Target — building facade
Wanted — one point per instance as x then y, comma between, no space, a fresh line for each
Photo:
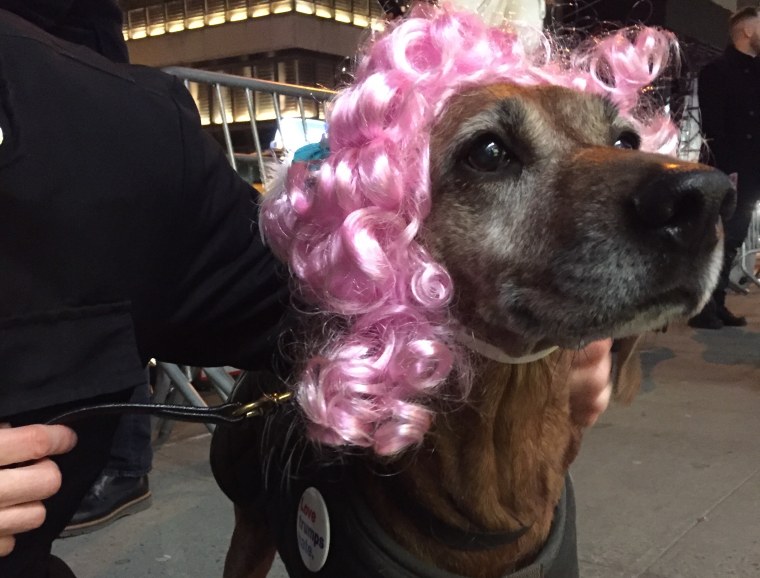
302,42
308,42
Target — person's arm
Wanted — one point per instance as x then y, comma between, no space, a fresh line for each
27,476
712,90
230,291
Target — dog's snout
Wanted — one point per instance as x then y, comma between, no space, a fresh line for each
683,206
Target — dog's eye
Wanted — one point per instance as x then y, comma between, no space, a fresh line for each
628,140
488,154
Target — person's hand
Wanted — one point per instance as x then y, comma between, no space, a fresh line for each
589,382
27,476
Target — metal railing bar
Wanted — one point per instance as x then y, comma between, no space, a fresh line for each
222,382
303,119
225,125
751,245
255,133
235,81
750,274
183,384
278,114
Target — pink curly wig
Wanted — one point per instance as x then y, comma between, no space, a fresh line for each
348,225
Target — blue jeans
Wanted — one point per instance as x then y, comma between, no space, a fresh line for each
131,451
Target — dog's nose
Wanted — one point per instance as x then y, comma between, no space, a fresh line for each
683,206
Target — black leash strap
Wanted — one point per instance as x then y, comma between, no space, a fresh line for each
226,413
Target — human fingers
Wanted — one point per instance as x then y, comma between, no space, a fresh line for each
32,442
589,382
587,413
594,353
7,543
21,518
36,481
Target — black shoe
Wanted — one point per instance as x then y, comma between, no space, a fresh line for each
109,498
729,319
706,319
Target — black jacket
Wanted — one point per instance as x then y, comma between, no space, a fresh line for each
729,100
124,233
92,23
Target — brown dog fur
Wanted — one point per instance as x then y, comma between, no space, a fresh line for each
552,248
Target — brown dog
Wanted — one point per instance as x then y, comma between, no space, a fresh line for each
550,223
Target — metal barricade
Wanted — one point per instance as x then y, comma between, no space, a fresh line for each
236,102
177,384
240,100
749,250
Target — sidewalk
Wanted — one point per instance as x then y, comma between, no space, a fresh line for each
666,488
670,487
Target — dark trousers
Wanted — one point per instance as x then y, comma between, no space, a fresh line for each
79,469
131,451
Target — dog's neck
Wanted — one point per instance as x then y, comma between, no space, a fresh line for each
495,465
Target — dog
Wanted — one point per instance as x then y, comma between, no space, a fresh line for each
555,230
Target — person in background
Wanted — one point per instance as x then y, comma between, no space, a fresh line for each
729,101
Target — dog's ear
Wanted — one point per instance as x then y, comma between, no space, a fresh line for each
626,371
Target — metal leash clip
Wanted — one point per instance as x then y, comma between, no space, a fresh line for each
262,405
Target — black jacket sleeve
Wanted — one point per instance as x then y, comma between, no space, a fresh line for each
230,292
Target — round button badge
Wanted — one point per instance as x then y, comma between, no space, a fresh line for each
313,529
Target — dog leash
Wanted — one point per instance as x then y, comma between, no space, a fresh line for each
226,413
236,412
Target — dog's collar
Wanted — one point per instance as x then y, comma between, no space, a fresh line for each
470,540
468,339
380,554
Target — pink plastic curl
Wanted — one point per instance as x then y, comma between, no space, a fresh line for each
348,226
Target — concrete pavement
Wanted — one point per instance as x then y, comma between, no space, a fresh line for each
666,488
670,487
